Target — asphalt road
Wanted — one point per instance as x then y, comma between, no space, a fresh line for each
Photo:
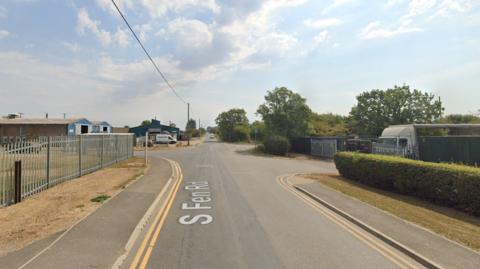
249,220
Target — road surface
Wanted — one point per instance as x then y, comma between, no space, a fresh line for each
230,212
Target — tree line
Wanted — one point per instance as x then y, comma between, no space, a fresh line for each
286,117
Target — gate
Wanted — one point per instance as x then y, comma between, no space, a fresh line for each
324,148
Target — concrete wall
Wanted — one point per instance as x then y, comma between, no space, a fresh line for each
33,130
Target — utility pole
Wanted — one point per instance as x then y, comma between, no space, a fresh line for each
199,124
186,127
146,149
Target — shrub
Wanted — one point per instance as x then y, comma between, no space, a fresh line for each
451,185
277,145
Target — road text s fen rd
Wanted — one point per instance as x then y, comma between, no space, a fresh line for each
200,198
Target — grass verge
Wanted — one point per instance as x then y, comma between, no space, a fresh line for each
455,225
58,208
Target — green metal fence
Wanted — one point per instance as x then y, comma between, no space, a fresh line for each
48,161
456,149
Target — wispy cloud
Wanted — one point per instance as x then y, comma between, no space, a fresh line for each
4,34
322,23
84,22
375,30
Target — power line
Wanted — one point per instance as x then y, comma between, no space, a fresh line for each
148,55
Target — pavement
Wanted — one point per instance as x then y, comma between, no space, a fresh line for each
98,240
226,208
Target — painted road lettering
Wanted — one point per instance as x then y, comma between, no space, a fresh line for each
199,197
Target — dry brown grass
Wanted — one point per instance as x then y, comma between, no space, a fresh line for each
58,208
453,224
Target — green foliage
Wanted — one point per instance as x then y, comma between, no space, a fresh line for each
459,118
277,145
212,130
191,125
285,113
328,125
100,199
451,185
258,130
233,125
377,109
146,122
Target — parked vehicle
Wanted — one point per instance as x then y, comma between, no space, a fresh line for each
165,139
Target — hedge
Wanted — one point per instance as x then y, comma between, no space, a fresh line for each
450,185
277,145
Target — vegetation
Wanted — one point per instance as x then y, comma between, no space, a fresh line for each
233,125
377,109
146,123
276,144
459,118
450,185
328,125
453,224
285,113
100,199
258,130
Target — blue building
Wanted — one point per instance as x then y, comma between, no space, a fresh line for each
102,127
155,127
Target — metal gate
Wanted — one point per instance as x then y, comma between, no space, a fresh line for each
324,148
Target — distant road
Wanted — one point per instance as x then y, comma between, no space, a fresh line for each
249,220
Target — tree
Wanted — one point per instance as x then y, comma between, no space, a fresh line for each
459,118
233,125
191,125
328,125
257,130
172,125
285,113
146,122
377,109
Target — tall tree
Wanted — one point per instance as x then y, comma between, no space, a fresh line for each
285,113
233,125
191,125
377,109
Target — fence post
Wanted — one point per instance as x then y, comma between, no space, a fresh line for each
146,148
80,153
48,162
101,156
18,182
116,148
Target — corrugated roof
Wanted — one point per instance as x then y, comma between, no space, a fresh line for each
97,122
40,121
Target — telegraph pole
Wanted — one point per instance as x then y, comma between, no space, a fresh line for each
186,127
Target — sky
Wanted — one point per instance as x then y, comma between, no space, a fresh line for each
78,57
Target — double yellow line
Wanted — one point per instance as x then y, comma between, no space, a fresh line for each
383,249
145,250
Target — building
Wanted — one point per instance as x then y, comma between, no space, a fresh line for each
155,127
101,127
120,130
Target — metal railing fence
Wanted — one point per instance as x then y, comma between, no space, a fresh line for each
383,149
48,161
324,148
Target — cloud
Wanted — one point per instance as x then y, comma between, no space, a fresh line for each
74,47
122,37
3,12
393,3
322,23
322,37
189,33
159,8
84,22
335,4
4,34
374,30
123,5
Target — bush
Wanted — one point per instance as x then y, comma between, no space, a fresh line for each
451,185
277,145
